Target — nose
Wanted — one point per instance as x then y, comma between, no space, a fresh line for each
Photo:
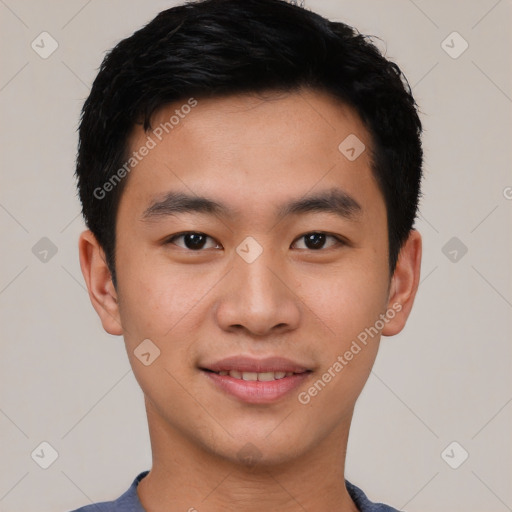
258,298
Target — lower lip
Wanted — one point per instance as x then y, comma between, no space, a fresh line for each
255,391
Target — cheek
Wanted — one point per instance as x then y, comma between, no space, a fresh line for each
349,309
346,300
152,300
166,305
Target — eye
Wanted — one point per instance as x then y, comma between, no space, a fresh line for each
193,241
317,240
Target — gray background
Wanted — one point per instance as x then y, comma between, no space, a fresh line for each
446,377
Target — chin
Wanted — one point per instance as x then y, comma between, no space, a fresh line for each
259,451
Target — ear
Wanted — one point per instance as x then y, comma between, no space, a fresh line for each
404,284
99,283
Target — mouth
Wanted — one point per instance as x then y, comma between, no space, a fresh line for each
256,381
255,376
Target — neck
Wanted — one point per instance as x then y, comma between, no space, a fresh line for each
187,477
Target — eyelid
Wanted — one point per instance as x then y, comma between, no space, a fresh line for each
340,241
170,239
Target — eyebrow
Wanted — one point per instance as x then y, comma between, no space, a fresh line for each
334,200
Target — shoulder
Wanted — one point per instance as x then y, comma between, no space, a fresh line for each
363,503
127,502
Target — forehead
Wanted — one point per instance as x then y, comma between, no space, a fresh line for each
304,120
253,148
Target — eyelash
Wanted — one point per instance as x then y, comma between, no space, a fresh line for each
339,241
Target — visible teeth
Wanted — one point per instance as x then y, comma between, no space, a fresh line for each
266,376
254,376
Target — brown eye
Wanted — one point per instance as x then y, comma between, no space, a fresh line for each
317,240
192,241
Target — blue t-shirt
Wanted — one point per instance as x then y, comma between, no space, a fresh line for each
129,501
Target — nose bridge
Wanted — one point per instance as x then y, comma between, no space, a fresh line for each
253,262
260,281
256,298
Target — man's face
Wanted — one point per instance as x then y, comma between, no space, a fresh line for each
257,280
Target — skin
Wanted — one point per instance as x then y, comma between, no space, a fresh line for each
309,305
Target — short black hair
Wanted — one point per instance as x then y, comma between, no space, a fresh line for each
215,48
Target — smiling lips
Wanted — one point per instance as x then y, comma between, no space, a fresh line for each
256,380
259,376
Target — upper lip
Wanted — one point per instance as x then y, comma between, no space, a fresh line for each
251,364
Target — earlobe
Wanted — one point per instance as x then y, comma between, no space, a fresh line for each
99,282
404,284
